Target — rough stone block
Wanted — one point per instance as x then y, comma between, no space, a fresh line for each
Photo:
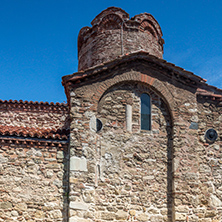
193,125
78,164
180,217
3,159
60,155
5,205
107,216
121,215
215,202
78,206
142,217
77,219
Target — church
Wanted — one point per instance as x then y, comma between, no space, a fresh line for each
140,139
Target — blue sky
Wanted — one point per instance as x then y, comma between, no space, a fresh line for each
38,40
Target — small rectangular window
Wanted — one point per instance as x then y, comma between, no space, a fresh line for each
145,112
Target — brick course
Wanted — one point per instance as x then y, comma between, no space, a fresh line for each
113,34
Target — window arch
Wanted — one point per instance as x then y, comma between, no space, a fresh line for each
145,112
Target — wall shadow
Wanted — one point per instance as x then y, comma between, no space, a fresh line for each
65,185
170,197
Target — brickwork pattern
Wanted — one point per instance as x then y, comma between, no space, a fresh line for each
113,34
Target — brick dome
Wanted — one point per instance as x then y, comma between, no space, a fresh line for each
113,33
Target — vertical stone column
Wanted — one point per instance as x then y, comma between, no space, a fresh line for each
129,118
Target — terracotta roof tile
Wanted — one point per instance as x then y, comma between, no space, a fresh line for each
43,133
142,55
34,106
134,55
33,102
212,95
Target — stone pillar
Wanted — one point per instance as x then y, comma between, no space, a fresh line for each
82,172
129,118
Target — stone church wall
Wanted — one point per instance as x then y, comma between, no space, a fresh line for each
33,182
33,161
210,160
128,175
168,174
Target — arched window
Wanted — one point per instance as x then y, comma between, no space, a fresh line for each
145,112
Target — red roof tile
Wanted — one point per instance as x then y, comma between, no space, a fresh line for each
34,106
33,103
43,133
127,57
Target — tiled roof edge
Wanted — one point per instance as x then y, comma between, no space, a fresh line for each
40,133
137,55
35,142
34,103
122,58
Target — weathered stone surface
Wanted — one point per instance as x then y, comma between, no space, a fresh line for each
31,189
60,155
132,212
215,201
55,214
121,215
5,205
115,37
180,216
142,217
21,207
3,159
77,219
194,126
107,216
78,164
156,218
78,206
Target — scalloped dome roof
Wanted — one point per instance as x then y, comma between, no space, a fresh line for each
113,33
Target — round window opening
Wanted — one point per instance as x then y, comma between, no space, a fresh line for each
211,135
95,124
99,125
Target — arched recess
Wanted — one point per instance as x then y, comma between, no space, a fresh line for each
151,82
110,21
149,27
150,153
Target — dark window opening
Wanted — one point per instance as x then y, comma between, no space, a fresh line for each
99,125
145,112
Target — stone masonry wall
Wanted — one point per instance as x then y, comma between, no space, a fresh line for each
123,176
33,115
33,181
120,170
210,167
197,167
186,160
135,167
